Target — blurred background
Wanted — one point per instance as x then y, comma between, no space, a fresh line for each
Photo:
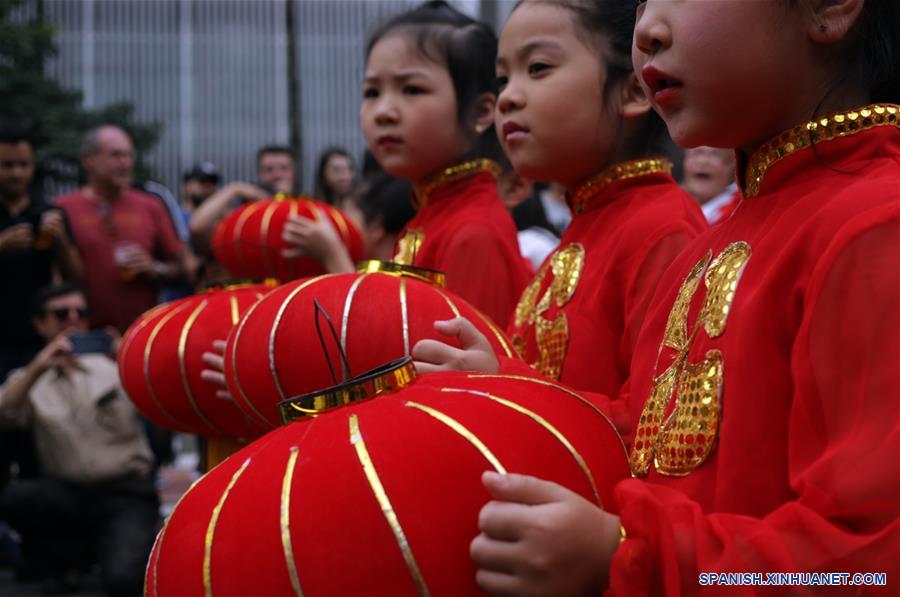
193,80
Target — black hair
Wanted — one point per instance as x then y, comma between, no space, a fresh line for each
370,166
47,293
323,191
386,199
608,27
13,134
468,48
877,50
274,149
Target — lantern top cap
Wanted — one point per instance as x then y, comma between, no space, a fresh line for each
387,378
405,271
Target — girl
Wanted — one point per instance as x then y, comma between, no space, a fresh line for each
764,382
571,110
427,115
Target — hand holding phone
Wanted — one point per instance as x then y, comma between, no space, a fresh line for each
94,341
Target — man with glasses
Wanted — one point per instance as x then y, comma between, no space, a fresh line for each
126,236
96,500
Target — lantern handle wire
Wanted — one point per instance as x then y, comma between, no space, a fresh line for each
345,364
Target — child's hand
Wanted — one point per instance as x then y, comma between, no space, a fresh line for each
318,239
476,353
216,373
538,538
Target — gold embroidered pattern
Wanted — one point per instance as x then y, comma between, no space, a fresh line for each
721,282
676,335
408,246
690,432
551,335
688,435
829,127
387,509
452,174
593,186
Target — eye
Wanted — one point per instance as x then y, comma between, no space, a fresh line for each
370,92
413,90
639,2
537,67
500,82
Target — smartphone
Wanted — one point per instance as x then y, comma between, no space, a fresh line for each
94,341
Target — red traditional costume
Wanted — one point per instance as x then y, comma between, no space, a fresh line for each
463,230
764,389
578,321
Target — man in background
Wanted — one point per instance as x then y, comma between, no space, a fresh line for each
126,235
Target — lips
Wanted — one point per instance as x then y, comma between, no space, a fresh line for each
664,87
513,131
388,141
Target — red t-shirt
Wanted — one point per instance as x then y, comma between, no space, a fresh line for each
764,386
465,231
97,227
578,321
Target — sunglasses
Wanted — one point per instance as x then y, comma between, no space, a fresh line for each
63,313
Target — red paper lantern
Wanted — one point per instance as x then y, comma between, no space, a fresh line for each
275,351
382,497
248,241
160,362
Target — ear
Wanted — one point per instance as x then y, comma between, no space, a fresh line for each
484,112
832,19
635,101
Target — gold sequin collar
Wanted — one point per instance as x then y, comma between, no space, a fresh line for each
452,174
840,124
589,189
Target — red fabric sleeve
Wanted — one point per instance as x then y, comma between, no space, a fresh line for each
481,270
842,446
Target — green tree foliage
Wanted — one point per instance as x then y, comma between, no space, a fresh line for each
54,116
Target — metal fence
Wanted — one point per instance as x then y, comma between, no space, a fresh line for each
215,72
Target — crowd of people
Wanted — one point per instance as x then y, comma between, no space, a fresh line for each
532,170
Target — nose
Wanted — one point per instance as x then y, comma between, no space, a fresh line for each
651,33
509,99
386,111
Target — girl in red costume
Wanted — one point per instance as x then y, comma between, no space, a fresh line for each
764,382
571,110
427,115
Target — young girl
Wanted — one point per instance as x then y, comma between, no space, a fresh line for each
764,382
571,110
427,115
